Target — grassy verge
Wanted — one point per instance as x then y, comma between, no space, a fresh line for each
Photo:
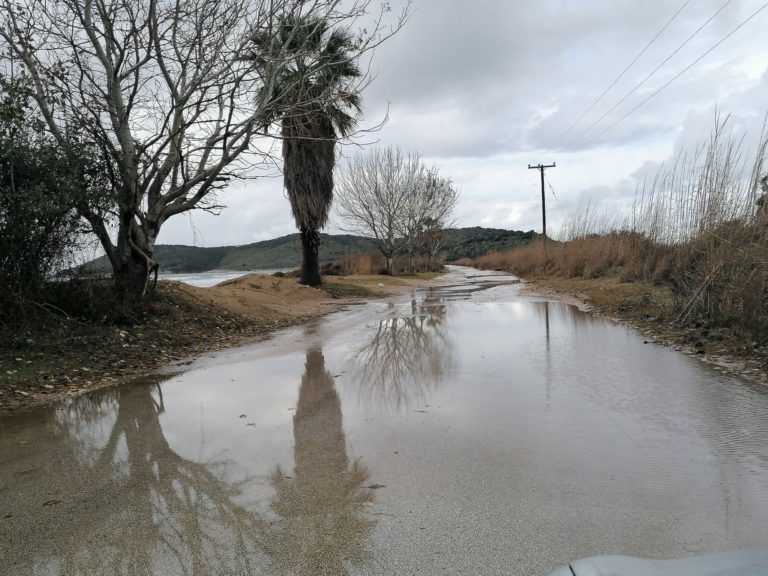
363,284
345,290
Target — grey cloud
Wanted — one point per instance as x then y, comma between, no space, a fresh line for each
502,62
254,211
484,87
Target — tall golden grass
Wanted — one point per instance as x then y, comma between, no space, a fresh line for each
373,263
700,224
363,263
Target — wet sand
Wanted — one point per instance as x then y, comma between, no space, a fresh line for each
462,429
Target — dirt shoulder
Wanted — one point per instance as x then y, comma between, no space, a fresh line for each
652,310
60,356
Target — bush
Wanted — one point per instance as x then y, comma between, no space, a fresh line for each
363,263
372,263
39,227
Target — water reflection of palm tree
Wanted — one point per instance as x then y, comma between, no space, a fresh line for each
406,356
321,525
154,510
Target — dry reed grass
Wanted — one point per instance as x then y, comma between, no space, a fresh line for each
699,225
374,263
363,263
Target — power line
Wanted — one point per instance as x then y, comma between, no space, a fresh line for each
549,183
620,76
648,77
683,71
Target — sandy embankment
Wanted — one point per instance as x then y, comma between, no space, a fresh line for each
271,299
180,321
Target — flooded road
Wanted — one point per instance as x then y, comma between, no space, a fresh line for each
466,429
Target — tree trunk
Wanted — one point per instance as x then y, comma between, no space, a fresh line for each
132,260
131,277
310,261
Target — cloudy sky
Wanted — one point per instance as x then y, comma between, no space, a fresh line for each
481,89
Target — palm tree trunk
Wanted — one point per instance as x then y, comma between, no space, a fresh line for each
310,261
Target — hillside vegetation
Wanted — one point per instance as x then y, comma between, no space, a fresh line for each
476,241
285,252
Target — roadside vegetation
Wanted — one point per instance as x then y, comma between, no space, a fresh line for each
375,263
39,228
692,253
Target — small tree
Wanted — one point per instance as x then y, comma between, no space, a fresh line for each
391,198
428,215
431,238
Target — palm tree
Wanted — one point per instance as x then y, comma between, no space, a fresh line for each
316,101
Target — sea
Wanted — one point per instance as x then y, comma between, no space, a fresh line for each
213,277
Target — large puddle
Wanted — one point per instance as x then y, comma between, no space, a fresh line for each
464,430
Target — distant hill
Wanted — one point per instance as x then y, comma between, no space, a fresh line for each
285,252
179,258
474,242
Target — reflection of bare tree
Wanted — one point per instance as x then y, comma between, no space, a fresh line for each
153,510
201,524
321,525
407,355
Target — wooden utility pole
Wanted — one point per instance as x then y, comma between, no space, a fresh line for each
541,168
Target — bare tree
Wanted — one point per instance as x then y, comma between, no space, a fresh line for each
164,91
389,197
407,357
429,214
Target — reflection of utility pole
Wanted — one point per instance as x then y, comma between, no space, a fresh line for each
548,359
541,168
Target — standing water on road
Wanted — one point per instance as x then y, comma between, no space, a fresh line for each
464,429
